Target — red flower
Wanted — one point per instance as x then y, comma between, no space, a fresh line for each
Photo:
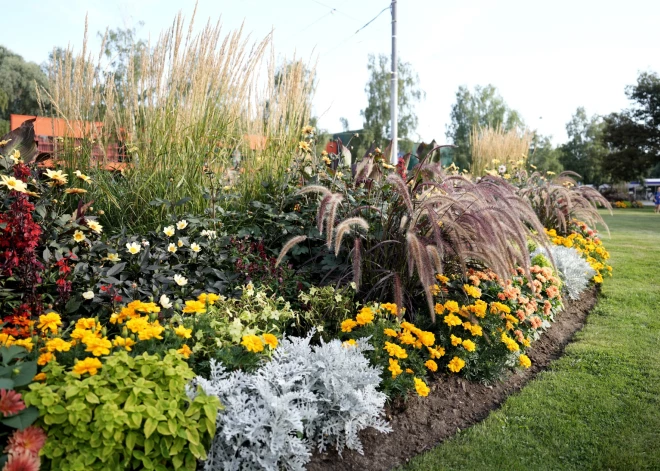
31,439
22,461
11,402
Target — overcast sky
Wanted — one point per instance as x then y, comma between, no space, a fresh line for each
545,57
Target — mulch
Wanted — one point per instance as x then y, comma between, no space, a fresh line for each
453,404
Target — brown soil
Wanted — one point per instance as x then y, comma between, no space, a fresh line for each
453,404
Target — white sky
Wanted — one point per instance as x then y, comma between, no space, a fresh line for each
545,57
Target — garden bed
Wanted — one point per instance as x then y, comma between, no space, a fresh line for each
454,403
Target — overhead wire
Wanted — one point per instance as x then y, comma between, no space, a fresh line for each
355,34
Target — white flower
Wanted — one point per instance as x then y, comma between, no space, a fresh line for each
182,224
133,247
209,234
179,243
169,231
165,301
94,226
113,257
171,248
195,247
88,294
501,169
180,280
145,243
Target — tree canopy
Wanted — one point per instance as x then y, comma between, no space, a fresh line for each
482,107
585,151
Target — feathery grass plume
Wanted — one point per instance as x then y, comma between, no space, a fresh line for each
332,215
435,257
345,226
314,189
402,190
320,214
363,169
357,262
507,147
288,246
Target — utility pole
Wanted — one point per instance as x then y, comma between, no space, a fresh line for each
393,92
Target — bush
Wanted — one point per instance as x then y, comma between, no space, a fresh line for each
130,413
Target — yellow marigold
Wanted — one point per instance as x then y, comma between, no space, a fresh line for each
479,308
395,350
57,344
365,316
452,306
427,338
408,370
25,343
210,298
390,307
88,365
598,278
349,343
497,307
45,358
451,320
6,339
441,278
97,346
472,291
509,342
524,361
252,343
152,331
434,289
421,388
194,307
456,364
182,332
431,365
476,330
50,321
406,338
123,342
390,332
138,324
469,345
439,308
395,368
185,351
82,334
86,323
436,352
526,342
455,341
39,377
270,340
348,325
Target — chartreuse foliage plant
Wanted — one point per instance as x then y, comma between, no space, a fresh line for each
128,413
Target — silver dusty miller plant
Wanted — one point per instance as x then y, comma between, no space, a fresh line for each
574,271
326,393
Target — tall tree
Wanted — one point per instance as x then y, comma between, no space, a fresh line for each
633,135
585,150
377,113
483,107
18,87
544,156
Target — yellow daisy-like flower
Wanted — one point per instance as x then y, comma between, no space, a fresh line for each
304,146
524,361
439,308
349,343
195,247
95,226
78,236
113,257
182,224
82,176
348,325
252,343
390,332
435,290
179,243
452,306
97,346
365,316
270,340
442,279
395,350
194,307
39,377
86,323
390,307
210,298
472,291
171,248
421,388
469,345
436,352
395,368
452,320
427,338
25,343
50,321
169,231
57,176
431,365
14,184
45,358
182,332
456,341
308,130
133,248
88,365
185,351
455,365
123,342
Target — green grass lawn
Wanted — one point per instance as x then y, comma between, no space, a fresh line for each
597,407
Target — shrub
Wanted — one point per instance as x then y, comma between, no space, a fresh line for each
130,413
573,269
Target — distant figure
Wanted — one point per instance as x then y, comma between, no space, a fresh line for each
657,200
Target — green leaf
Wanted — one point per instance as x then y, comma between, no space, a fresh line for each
192,436
26,371
6,383
149,427
116,269
72,305
92,398
131,438
23,140
23,419
163,429
12,353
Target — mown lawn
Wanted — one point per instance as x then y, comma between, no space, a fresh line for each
598,407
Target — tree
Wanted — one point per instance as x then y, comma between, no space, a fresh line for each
483,107
377,127
18,87
585,150
544,156
633,135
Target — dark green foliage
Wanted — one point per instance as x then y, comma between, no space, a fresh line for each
585,151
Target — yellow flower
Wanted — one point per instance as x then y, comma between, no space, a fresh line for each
406,338
439,308
304,146
451,320
152,331
390,307
452,306
86,323
348,325
479,308
196,307
171,248
408,370
182,224
123,342
431,365
88,365
113,257
455,341
349,343
252,343
133,248
510,343
45,358
456,365
39,377
436,352
14,184
50,321
395,350
78,236
270,340
434,289
421,388
169,231
97,346
25,343
441,278
57,344
497,307
427,338
82,176
95,226
185,351
598,278
469,345
179,243
365,316
195,247
182,332
524,361
395,368
308,130
472,291
6,339
210,298
390,332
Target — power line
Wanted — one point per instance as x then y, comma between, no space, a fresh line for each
338,11
312,24
355,34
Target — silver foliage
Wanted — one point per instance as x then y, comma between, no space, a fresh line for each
574,271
